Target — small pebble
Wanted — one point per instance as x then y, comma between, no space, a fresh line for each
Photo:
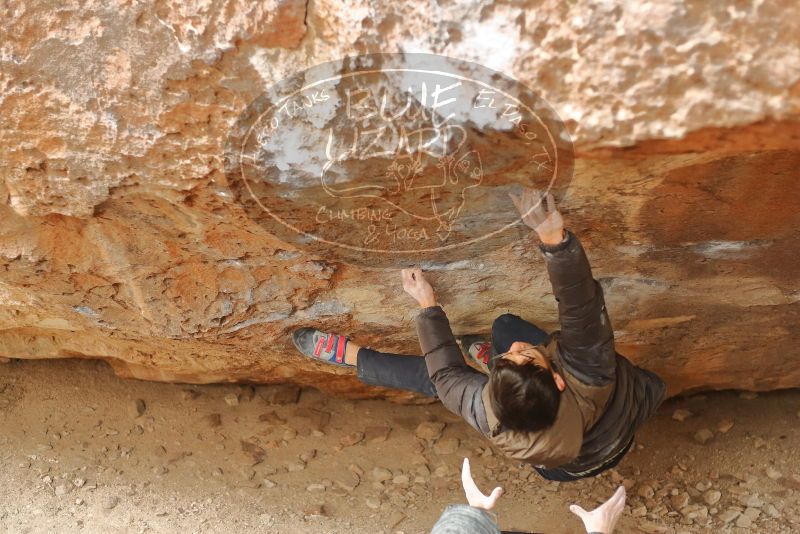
351,439
308,455
681,415
189,394
281,394
645,491
429,430
751,501
748,516
772,512
355,468
272,418
160,470
400,480
247,393
110,503
652,528
712,497
381,474
446,446
679,501
136,408
315,510
395,519
729,515
748,395
702,486
725,425
348,481
254,452
377,434
441,471
694,511
703,436
232,399
213,420
773,473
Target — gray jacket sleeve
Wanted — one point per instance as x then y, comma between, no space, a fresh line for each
465,518
458,385
586,340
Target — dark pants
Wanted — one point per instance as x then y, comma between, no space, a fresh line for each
400,371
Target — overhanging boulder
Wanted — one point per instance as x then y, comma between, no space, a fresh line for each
118,239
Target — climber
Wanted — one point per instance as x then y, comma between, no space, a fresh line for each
566,403
477,517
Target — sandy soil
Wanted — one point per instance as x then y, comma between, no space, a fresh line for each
79,454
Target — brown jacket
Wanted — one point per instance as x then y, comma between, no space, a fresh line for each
606,399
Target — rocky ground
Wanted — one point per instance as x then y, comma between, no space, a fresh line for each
84,451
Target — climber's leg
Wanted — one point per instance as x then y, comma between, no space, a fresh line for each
375,368
397,371
509,328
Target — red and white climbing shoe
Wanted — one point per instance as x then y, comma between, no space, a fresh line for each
479,350
321,346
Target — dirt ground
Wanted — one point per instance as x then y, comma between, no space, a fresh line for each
84,451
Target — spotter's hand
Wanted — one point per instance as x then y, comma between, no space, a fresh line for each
475,497
603,518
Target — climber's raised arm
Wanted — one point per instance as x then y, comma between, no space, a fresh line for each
586,339
458,385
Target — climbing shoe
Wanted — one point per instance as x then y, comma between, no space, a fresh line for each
325,347
479,350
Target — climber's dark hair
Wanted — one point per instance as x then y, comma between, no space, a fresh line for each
523,397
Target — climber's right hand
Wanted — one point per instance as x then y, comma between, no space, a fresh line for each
539,212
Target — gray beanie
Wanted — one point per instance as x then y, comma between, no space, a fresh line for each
465,519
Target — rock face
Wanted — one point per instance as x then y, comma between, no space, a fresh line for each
118,239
